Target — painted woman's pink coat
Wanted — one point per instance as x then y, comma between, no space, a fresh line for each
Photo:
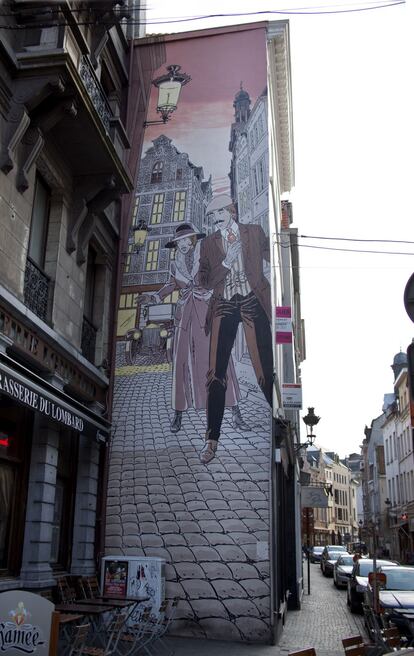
191,345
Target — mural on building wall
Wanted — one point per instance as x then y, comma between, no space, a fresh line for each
191,449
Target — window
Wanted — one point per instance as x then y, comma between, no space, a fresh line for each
179,206
157,208
153,252
15,449
62,523
127,314
135,210
89,331
179,175
39,223
156,175
36,282
259,174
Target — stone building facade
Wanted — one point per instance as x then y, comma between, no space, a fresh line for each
64,168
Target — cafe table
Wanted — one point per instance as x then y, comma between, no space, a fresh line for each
115,599
94,613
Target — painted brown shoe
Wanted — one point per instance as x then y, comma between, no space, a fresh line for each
208,452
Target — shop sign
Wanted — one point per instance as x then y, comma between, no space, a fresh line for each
25,623
283,324
35,400
292,396
314,497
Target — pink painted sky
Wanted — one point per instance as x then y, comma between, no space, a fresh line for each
201,124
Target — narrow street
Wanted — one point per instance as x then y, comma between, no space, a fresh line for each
323,620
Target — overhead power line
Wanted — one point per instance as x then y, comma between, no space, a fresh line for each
161,21
346,250
379,241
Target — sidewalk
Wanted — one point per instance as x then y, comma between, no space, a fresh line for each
321,623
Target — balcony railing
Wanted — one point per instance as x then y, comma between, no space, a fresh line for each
36,289
95,92
88,341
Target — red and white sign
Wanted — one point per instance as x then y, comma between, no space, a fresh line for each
292,396
283,324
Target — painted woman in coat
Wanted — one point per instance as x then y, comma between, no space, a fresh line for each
191,345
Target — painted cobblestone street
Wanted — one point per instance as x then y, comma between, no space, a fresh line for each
321,623
209,523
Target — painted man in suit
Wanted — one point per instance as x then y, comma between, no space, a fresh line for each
231,265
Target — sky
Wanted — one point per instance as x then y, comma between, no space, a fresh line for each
353,121
201,124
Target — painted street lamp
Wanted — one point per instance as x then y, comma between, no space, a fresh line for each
169,88
140,231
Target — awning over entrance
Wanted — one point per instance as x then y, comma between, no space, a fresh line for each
32,391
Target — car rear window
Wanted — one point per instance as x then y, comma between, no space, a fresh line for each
346,560
367,566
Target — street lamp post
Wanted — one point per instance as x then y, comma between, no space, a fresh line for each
310,420
169,88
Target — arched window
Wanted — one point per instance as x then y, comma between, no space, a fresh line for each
156,175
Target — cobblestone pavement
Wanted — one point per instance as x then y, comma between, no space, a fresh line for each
322,622
211,524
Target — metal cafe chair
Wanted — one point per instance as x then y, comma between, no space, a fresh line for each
354,646
162,629
79,639
110,638
91,587
134,638
392,637
66,593
155,629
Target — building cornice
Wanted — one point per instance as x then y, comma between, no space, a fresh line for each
280,97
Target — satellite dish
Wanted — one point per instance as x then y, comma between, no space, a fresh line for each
409,297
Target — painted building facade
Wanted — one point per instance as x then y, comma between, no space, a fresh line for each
192,476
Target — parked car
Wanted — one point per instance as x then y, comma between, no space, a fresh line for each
342,570
315,554
358,581
328,550
396,599
328,564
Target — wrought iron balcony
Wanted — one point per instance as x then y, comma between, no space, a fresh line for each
36,289
88,341
95,92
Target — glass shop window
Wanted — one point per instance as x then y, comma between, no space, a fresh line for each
62,525
15,446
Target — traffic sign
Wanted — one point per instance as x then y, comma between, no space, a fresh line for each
409,297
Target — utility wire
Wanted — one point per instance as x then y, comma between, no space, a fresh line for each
345,250
380,241
162,21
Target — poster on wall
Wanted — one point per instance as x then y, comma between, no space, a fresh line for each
115,578
190,454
